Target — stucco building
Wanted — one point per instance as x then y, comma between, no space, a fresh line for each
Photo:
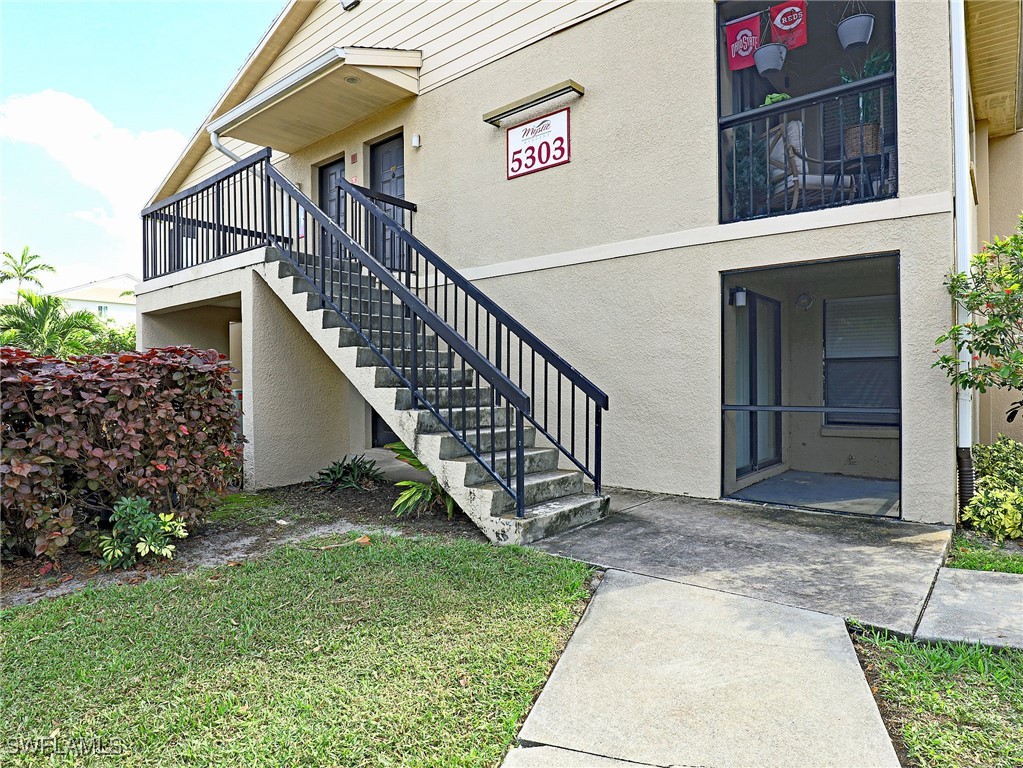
688,247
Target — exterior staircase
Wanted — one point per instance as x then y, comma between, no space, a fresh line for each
555,499
509,428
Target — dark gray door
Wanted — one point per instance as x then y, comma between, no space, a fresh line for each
387,175
331,202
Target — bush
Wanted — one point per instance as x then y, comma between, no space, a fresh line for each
138,532
78,435
357,473
997,505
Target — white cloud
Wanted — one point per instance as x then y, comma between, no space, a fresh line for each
122,166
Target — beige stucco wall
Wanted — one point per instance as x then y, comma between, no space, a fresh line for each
205,327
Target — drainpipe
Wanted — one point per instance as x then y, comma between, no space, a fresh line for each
964,236
215,141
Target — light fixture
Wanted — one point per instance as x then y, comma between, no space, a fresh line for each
417,141
737,297
804,301
349,4
352,80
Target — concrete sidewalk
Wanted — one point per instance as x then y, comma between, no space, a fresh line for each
975,607
665,674
874,571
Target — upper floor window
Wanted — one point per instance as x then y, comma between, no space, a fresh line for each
806,96
103,311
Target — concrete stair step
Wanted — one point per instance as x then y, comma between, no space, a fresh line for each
499,439
535,460
402,358
556,515
441,377
538,487
463,418
484,394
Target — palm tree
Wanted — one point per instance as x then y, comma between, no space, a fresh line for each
44,326
25,269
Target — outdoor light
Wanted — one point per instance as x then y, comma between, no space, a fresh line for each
737,297
349,4
417,141
352,80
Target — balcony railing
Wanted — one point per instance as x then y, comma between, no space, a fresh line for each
834,147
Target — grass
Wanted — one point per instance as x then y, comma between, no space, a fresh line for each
248,508
978,556
411,652
954,705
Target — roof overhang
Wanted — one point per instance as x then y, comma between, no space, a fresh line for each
994,38
334,90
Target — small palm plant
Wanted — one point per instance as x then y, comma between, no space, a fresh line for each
24,269
418,497
44,326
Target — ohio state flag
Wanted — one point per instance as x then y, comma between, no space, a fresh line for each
788,23
742,36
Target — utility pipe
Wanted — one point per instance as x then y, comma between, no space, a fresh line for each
215,141
964,234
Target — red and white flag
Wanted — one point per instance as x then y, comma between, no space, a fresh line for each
788,23
742,36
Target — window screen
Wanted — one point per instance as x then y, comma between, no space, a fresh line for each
861,358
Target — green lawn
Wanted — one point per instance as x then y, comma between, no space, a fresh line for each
979,556
410,652
956,705
248,508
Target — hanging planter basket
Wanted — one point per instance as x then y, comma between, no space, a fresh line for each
770,57
855,31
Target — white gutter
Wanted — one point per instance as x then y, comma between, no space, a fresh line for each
964,236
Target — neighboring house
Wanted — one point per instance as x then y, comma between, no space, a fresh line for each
110,299
617,251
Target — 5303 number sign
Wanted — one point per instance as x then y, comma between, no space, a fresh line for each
539,144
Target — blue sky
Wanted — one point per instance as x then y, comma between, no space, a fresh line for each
96,101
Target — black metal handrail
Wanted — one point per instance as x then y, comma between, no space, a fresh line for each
219,217
388,288
821,150
558,391
336,265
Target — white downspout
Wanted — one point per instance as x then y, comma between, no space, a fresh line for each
215,141
964,236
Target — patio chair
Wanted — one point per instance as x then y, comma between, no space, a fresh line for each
794,171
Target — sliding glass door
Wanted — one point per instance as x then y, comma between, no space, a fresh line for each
757,382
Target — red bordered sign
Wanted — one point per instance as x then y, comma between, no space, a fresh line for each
540,144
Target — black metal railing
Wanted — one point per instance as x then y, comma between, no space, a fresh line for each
222,216
567,406
834,147
462,357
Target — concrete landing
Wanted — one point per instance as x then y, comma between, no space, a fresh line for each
834,493
975,607
666,674
875,571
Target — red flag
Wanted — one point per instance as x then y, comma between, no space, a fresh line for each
788,23
742,36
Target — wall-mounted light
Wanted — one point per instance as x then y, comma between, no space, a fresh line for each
737,297
417,141
349,4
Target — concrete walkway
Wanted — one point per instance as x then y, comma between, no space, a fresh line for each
878,572
666,674
975,607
